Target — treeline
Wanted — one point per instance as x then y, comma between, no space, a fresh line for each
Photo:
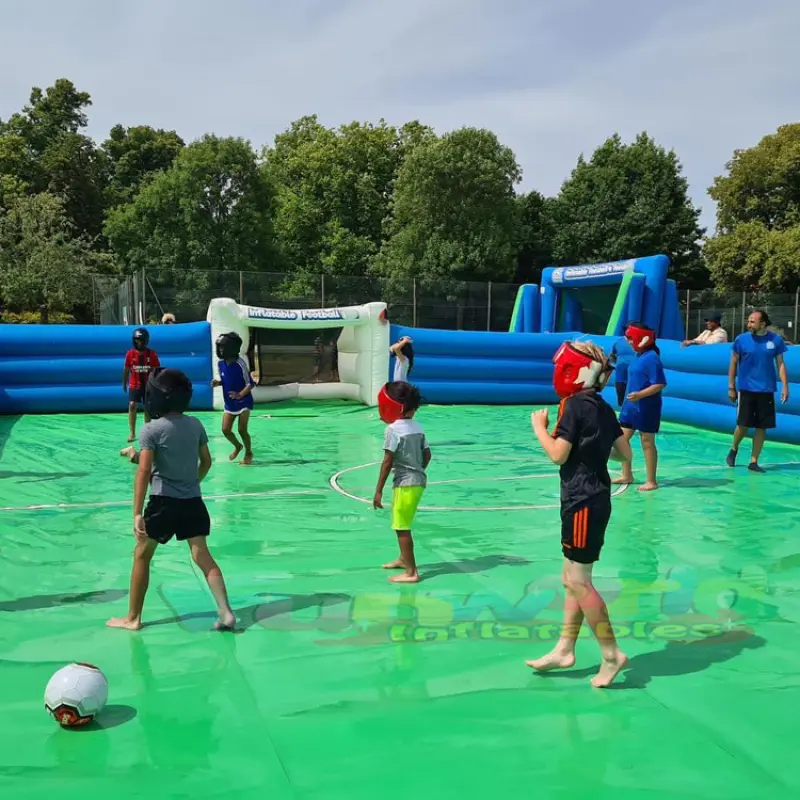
363,199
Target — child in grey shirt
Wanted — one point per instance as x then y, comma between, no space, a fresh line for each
174,458
406,452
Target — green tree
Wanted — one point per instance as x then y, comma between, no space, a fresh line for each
134,155
210,211
42,149
535,236
333,189
44,266
629,201
454,214
757,241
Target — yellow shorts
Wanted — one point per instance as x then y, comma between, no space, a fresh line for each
405,500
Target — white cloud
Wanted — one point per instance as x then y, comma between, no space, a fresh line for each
552,78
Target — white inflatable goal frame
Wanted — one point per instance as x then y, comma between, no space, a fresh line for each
363,347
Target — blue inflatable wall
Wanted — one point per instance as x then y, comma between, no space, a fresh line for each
458,367
51,369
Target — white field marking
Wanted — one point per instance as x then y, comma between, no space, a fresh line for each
119,503
334,482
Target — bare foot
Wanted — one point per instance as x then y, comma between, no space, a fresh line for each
129,623
405,578
609,670
235,454
248,459
395,564
226,622
622,481
553,660
649,486
132,437
127,452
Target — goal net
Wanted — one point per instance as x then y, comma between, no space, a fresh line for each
326,353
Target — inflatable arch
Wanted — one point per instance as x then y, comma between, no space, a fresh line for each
643,293
363,347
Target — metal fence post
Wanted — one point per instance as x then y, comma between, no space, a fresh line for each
744,303
143,320
414,302
322,290
241,288
688,310
489,308
796,304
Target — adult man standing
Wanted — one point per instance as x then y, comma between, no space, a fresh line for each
713,334
756,354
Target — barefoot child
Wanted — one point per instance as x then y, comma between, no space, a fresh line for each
406,452
237,386
403,352
641,410
586,435
140,360
173,460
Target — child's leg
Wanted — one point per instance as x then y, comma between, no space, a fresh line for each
227,432
244,418
627,467
563,654
131,453
140,579
650,461
406,560
132,410
213,574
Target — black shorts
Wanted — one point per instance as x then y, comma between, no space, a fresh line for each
756,410
136,396
165,517
583,529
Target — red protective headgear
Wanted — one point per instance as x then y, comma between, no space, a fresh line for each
574,371
640,337
389,410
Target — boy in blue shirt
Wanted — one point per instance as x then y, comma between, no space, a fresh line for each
755,355
642,408
237,387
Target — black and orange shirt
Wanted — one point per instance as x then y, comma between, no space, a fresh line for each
590,425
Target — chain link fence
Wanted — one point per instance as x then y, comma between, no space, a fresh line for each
454,305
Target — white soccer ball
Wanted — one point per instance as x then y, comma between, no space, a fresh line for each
76,694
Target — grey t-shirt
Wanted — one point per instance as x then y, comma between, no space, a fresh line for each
175,440
406,439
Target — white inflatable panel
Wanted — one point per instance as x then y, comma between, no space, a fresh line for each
363,347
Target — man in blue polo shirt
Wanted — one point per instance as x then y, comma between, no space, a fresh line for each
756,354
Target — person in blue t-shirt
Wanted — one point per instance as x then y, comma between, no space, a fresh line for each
755,356
641,410
237,387
621,356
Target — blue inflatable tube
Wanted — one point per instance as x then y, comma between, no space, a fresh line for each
52,369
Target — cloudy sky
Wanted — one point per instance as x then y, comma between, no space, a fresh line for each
553,78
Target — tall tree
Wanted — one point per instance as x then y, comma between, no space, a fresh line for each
333,190
134,155
44,266
454,211
535,236
629,200
43,149
757,241
211,210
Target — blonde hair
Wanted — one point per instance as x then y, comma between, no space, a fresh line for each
596,354
167,318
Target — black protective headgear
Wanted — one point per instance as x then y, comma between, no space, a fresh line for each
141,338
229,345
168,391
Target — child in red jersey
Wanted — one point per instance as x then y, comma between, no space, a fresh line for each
140,361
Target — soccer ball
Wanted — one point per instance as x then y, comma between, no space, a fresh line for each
76,694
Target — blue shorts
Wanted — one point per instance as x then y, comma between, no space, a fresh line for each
644,420
236,407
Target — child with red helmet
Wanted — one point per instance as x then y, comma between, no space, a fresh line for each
641,410
406,452
586,435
